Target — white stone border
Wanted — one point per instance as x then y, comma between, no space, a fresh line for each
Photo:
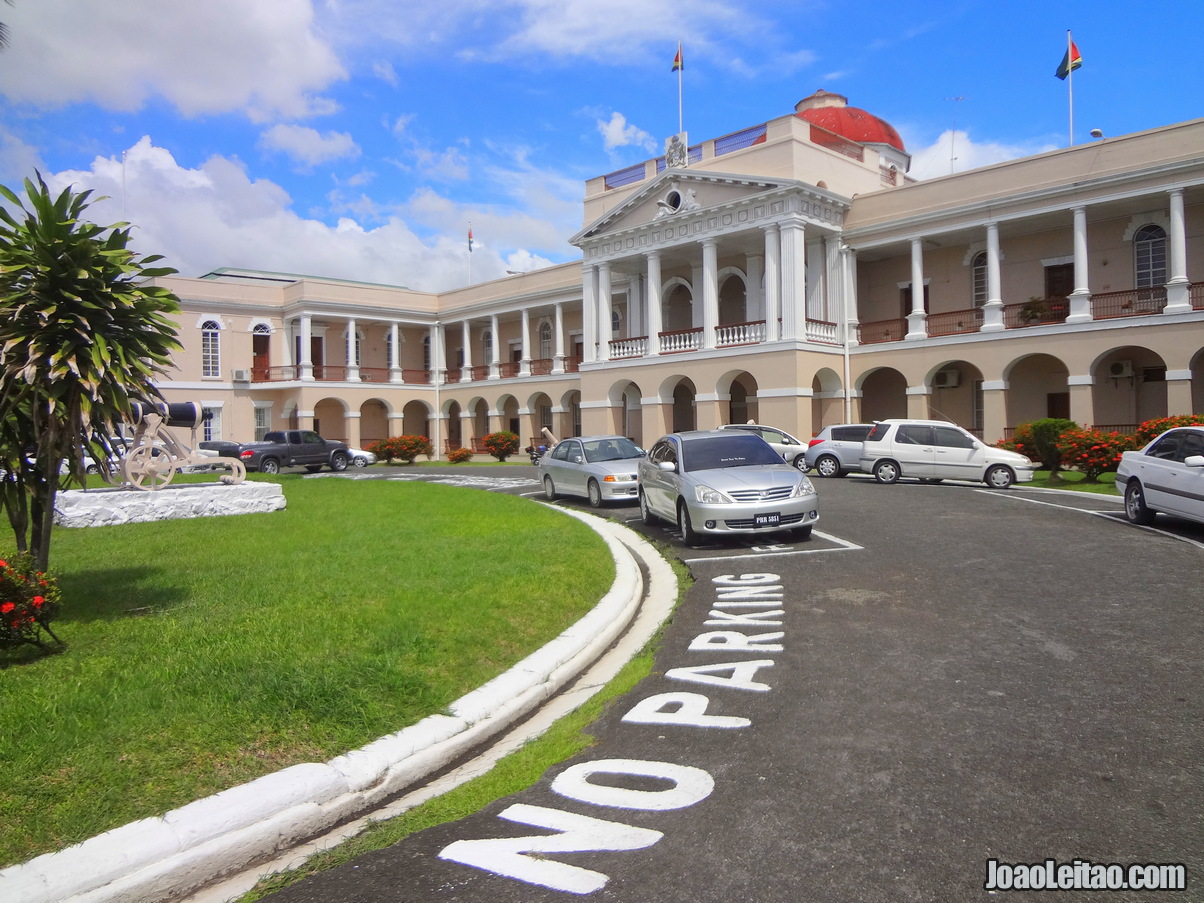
167,857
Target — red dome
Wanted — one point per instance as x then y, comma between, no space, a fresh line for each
829,111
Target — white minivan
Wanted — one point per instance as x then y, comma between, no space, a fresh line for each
934,450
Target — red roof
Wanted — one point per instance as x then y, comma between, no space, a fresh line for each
855,124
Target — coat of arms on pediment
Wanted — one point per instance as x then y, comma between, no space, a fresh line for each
676,201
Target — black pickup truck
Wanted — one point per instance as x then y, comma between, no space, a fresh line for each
285,448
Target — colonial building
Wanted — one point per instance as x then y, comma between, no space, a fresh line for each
790,273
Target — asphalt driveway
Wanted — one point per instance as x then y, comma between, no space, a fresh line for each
942,676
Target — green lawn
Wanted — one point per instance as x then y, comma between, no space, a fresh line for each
1073,481
205,653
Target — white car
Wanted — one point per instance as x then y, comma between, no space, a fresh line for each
934,450
599,468
1167,475
359,458
791,449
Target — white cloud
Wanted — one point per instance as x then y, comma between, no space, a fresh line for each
618,132
307,146
217,215
263,58
956,152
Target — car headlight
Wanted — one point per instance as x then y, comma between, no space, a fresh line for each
708,496
619,478
804,487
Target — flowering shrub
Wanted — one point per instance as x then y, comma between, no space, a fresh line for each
1038,439
29,601
403,448
502,444
459,455
1152,429
1092,452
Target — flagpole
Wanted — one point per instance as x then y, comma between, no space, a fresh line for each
1070,80
680,69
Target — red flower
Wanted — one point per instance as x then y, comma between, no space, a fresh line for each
6,608
38,601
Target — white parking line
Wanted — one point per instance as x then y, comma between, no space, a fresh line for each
779,550
1106,515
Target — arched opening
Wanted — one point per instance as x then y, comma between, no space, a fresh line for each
733,301
374,421
330,419
1129,387
684,413
416,419
1037,388
883,395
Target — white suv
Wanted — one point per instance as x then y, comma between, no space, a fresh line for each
934,450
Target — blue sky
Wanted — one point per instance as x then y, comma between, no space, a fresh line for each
359,138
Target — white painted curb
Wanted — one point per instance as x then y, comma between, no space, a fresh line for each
157,859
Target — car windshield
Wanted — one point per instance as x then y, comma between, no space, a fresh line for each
616,449
727,451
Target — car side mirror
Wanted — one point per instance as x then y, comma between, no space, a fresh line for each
667,466
576,459
1194,460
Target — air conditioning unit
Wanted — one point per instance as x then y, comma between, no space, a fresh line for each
240,376
1120,369
946,379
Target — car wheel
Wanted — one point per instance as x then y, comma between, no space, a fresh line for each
646,515
360,462
999,477
1135,507
338,462
549,489
688,534
92,469
269,465
886,472
595,494
828,466
800,462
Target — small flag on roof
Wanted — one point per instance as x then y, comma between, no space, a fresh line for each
1071,61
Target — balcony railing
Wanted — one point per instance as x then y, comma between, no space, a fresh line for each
1196,293
634,347
882,331
1035,312
681,340
480,373
541,366
955,322
572,364
374,374
740,333
821,331
416,377
1133,303
508,369
453,374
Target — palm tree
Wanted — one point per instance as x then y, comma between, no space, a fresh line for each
81,335
4,30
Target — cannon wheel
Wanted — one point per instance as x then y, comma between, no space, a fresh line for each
149,467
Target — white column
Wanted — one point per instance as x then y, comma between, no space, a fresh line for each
466,340
849,300
524,361
604,311
655,315
992,311
710,291
794,277
833,280
353,361
754,290
1080,298
773,281
495,352
436,333
589,313
1178,289
815,282
307,361
394,354
637,323
917,320
558,338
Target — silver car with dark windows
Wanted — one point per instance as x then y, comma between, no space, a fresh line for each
836,449
724,482
1167,475
599,468
791,449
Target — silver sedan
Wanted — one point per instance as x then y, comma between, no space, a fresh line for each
1167,475
724,482
599,468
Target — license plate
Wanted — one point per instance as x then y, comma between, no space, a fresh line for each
767,520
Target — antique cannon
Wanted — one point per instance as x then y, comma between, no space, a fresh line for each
155,453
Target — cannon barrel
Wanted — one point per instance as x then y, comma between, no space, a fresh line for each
176,413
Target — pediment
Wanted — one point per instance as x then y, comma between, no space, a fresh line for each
677,193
